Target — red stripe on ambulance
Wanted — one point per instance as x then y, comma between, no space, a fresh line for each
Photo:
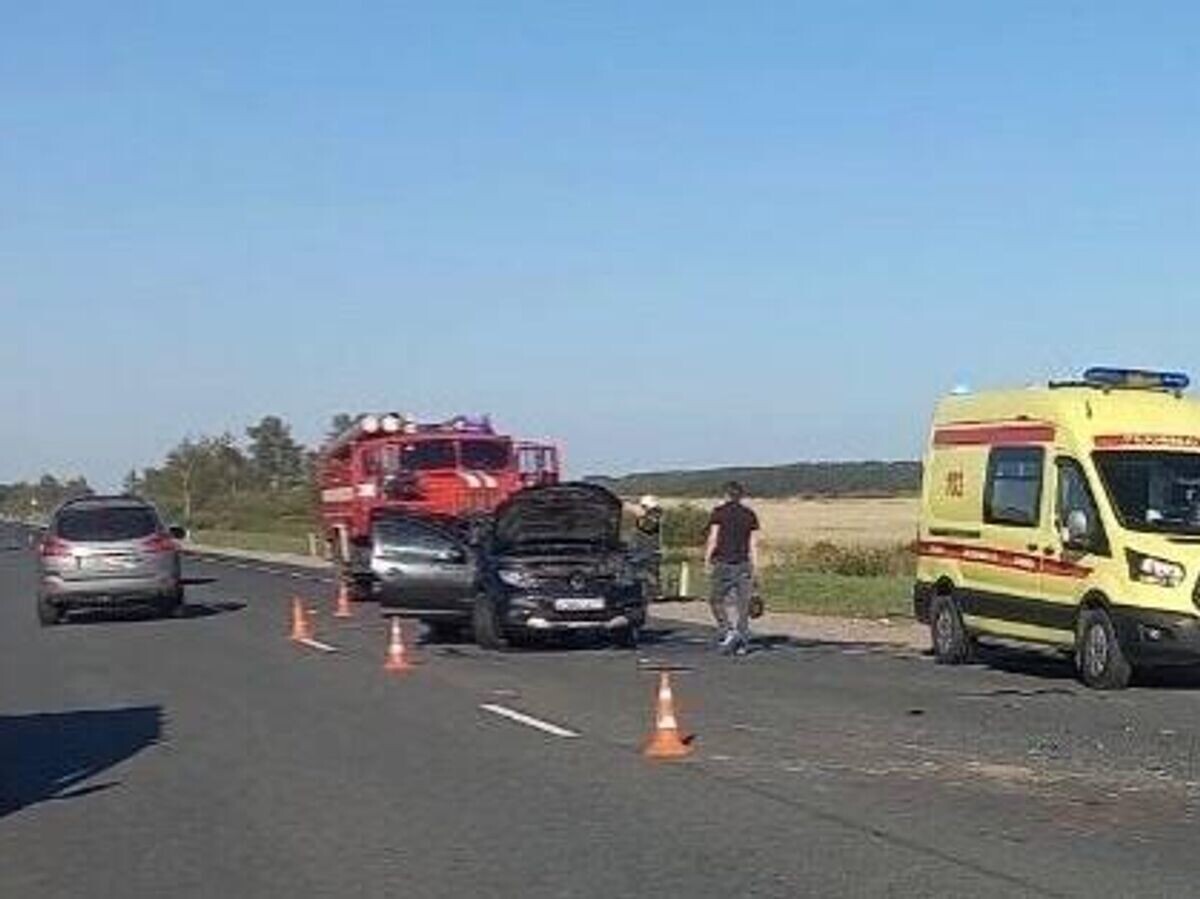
994,434
1001,558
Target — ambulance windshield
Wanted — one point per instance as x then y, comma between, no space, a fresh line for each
1154,491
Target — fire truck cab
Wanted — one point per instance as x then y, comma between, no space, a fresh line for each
454,469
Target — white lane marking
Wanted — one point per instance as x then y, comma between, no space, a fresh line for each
528,721
317,644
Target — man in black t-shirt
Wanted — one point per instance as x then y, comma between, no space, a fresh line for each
731,554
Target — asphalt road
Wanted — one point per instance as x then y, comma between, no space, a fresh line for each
209,756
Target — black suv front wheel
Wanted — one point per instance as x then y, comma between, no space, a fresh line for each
485,622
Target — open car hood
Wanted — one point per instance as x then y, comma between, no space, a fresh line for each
566,514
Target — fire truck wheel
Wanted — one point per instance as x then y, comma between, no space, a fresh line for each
444,631
485,622
358,590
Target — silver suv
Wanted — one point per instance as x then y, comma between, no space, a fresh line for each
100,551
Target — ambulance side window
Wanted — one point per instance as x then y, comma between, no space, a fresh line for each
1075,495
1013,494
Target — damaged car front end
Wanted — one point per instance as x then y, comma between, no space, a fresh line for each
555,562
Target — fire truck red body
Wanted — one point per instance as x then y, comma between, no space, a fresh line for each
457,468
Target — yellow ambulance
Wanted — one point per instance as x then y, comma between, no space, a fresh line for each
1066,515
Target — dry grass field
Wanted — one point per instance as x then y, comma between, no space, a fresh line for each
844,521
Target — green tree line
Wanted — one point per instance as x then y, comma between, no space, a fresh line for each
778,481
262,481
37,499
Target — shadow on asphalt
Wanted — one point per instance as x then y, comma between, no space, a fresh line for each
135,614
1030,663
48,756
197,581
550,643
650,637
1059,668
772,643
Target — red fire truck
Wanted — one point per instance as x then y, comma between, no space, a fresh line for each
454,469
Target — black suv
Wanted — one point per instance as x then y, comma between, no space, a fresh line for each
550,559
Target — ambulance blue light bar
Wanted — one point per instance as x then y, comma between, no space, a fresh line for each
1137,379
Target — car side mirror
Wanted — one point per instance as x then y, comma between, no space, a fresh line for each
1078,528
177,532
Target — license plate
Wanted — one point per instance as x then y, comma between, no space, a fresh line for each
579,605
109,563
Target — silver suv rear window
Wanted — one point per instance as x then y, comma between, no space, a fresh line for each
106,524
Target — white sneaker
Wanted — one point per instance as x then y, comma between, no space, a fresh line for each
728,641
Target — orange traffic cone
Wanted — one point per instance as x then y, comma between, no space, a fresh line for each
342,608
396,659
665,742
300,624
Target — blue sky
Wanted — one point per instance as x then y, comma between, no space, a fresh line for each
670,234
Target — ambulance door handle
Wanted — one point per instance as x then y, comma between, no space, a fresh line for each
1032,547
1049,551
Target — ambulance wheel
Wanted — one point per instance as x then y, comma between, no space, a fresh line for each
1099,657
485,622
952,644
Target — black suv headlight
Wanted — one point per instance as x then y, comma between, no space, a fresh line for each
517,578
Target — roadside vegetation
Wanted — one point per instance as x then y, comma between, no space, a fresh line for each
34,500
259,484
800,479
254,541
819,578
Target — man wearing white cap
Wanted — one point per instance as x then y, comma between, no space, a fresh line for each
647,545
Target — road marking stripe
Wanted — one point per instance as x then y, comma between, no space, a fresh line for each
317,644
527,720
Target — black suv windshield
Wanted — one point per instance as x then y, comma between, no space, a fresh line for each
1154,491
103,524
488,455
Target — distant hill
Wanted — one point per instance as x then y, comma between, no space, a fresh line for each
777,481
